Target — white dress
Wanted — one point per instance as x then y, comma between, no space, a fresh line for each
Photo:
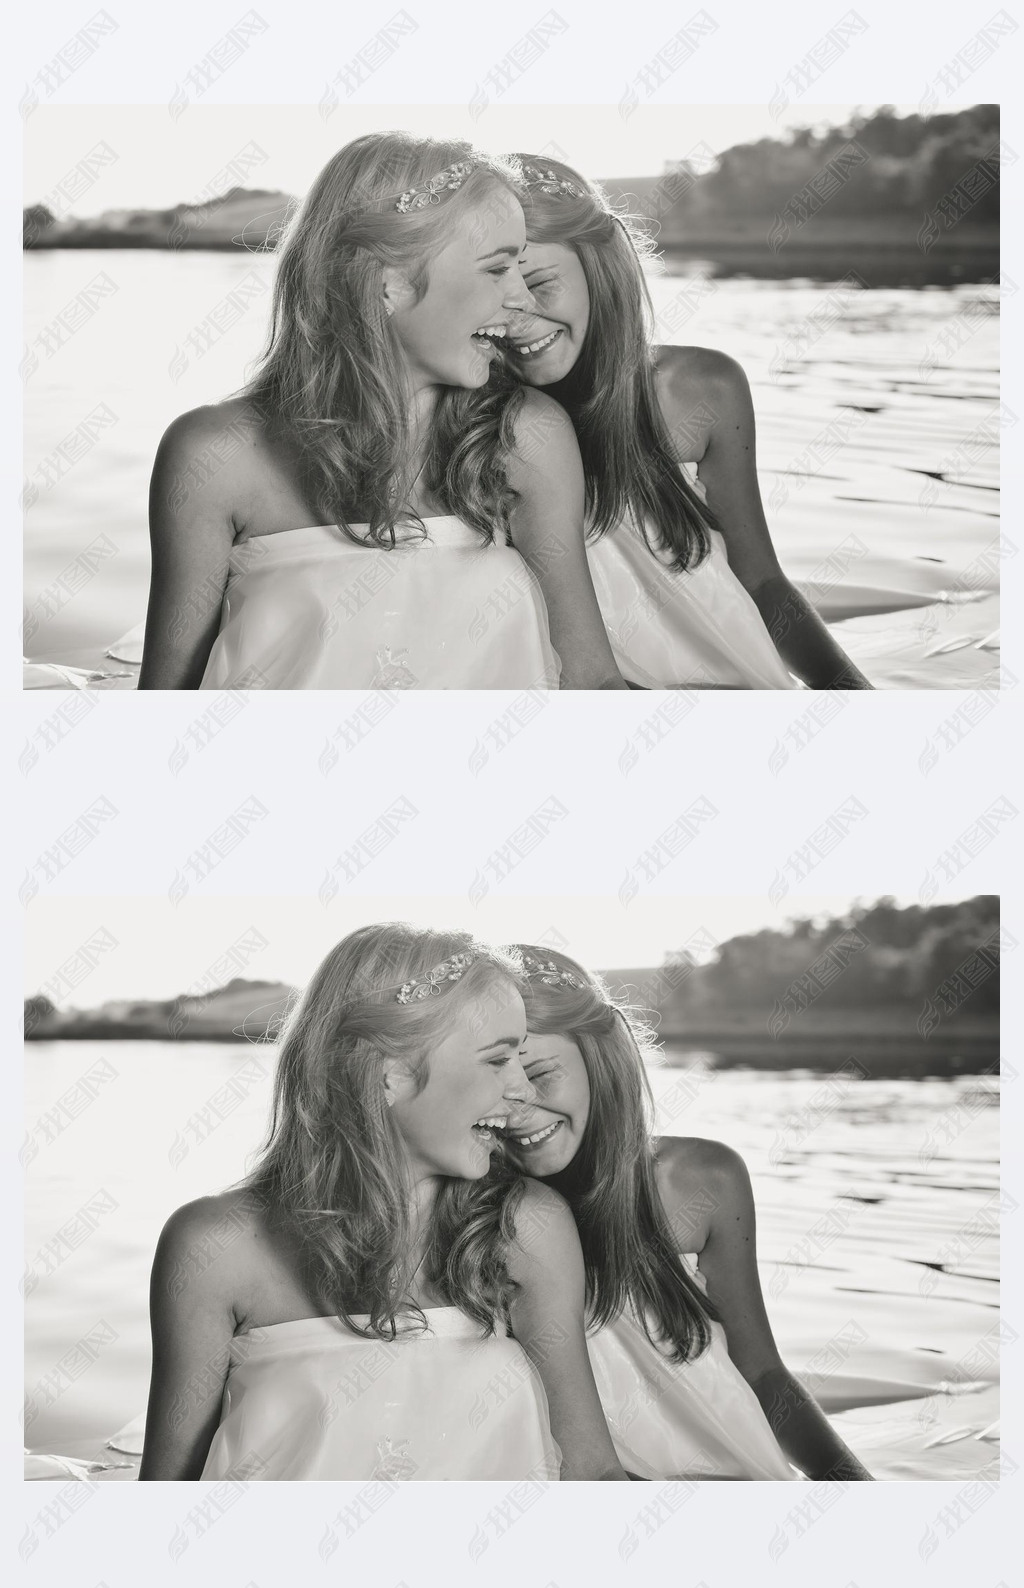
696,1419
672,630
313,1400
312,609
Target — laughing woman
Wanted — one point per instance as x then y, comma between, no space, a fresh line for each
687,578
368,1277
689,1375
372,510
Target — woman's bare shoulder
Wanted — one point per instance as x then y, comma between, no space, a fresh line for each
213,1240
700,1174
697,371
221,430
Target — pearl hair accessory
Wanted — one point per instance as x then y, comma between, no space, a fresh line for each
550,182
425,986
447,181
549,973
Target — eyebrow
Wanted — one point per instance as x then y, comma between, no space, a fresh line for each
502,1042
511,251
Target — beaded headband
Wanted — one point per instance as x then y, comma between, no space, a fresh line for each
550,183
447,181
425,986
549,973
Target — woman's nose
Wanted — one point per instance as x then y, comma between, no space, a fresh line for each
518,295
518,1088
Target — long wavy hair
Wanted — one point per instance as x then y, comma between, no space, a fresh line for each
331,382
332,1174
628,1249
630,464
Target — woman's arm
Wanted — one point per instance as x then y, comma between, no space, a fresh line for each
192,1318
548,1321
547,531
700,380
191,532
728,1262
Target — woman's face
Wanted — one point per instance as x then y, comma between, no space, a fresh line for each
473,286
545,1137
475,1079
545,344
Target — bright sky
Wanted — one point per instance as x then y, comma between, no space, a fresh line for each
160,162
162,949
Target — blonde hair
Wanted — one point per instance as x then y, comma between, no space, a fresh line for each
331,382
333,1171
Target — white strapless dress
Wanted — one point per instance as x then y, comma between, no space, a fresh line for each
695,1419
312,1400
311,609
671,630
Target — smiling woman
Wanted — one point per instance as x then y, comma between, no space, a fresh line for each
372,1229
387,515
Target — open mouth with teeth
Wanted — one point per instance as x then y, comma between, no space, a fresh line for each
535,1138
535,348
489,334
490,1126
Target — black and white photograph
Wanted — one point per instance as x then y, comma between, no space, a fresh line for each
465,1131
342,1189
661,398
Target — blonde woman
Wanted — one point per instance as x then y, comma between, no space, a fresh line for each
382,514
358,1318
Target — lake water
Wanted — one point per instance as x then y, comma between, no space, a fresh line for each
878,414
877,1210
